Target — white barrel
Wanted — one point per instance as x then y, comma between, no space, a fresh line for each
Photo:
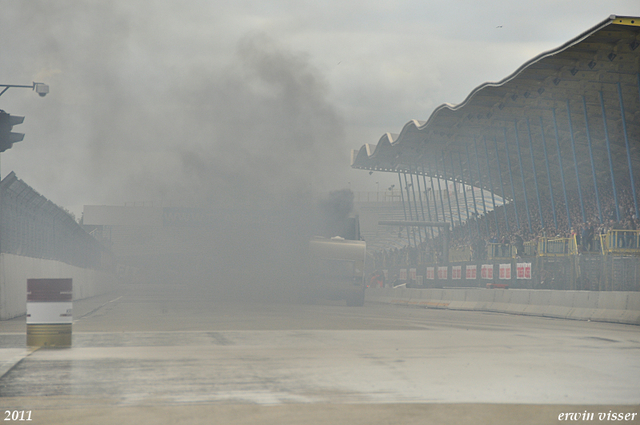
49,312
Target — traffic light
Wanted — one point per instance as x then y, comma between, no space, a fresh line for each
7,138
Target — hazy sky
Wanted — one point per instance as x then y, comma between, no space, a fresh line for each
153,100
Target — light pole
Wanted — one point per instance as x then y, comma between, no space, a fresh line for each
7,121
377,190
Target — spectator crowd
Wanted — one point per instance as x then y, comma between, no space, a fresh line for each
512,230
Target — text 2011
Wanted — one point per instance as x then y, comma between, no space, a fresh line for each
17,415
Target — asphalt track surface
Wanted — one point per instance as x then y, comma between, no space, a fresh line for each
174,355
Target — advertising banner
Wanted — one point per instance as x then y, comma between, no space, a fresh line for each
505,271
456,272
472,271
430,273
442,272
523,270
487,271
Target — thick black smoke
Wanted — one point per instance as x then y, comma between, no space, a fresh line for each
334,210
265,128
178,117
267,140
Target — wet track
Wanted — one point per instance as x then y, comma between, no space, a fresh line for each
166,355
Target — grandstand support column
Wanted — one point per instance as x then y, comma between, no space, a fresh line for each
524,185
439,189
504,199
415,202
575,161
433,191
513,187
593,166
473,192
626,141
484,204
406,186
535,172
404,208
417,174
426,197
564,186
413,230
493,196
606,138
444,173
455,190
464,192
426,234
546,161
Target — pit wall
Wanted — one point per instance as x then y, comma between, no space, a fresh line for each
616,307
16,269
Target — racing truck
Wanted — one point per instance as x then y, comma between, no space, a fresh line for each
336,267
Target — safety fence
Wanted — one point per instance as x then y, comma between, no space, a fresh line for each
32,226
557,246
614,242
625,242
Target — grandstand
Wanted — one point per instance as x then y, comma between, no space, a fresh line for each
559,141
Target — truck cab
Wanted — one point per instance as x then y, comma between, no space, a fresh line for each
337,269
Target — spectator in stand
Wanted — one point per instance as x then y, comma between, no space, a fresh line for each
587,237
630,236
504,245
519,243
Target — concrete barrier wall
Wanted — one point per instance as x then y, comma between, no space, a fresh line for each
16,269
617,307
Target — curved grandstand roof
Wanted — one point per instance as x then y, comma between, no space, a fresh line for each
536,122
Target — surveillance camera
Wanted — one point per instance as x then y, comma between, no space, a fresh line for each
41,89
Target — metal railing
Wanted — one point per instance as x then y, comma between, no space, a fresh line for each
554,247
624,242
531,248
460,254
499,250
